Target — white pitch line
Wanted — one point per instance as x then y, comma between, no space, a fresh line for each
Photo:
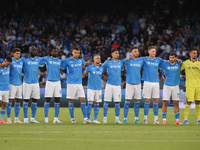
99,140
91,132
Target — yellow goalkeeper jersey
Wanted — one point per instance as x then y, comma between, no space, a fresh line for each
192,71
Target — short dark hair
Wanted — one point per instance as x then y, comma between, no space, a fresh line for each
134,48
76,48
114,50
16,50
193,49
173,54
8,58
53,49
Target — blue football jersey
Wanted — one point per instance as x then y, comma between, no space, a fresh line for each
4,78
114,69
172,73
53,68
74,70
94,76
133,70
151,66
30,68
16,72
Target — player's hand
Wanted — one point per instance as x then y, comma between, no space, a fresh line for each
128,57
26,55
180,61
109,58
198,59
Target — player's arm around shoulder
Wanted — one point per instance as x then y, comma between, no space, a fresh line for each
64,64
86,71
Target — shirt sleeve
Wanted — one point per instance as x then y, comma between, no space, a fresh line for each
105,65
162,64
83,62
22,59
41,63
122,66
125,62
64,64
160,61
183,66
87,69
44,59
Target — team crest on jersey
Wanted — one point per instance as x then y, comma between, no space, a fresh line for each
50,62
93,72
131,64
168,67
111,66
29,62
72,65
148,62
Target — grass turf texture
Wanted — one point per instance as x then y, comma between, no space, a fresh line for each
100,136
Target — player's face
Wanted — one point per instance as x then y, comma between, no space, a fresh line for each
16,55
172,59
6,63
54,53
76,54
152,52
33,51
97,59
193,54
115,55
135,52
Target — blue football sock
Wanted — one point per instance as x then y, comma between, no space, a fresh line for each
105,109
25,109
46,109
146,108
136,108
177,115
117,109
164,114
84,109
8,107
3,111
17,109
57,109
155,109
89,109
71,110
126,108
96,111
33,109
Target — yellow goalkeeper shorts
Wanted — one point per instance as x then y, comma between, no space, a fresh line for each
192,93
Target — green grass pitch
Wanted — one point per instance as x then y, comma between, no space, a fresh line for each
100,136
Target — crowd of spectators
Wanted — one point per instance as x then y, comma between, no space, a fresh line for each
99,33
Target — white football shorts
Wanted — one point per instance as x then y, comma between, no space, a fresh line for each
53,89
94,95
74,91
4,96
151,89
15,91
169,91
112,91
133,90
31,90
